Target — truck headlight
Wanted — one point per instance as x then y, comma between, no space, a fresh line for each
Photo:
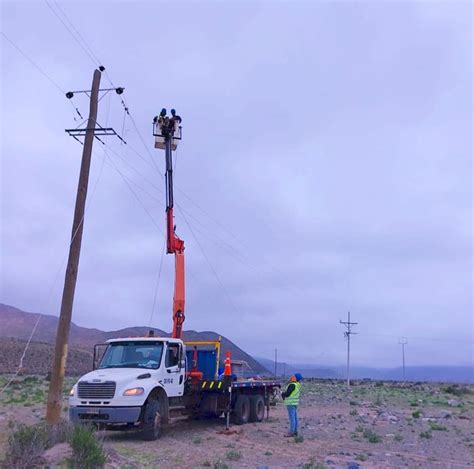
71,392
133,392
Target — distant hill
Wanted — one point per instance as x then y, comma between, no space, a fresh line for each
455,374
309,371
440,374
18,324
39,357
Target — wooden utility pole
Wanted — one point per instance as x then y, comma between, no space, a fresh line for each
347,334
55,395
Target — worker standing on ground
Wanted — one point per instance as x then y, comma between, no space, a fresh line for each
291,396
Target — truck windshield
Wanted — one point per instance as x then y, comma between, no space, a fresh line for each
132,354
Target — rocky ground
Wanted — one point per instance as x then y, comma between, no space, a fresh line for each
375,425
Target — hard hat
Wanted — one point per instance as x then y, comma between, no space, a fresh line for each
173,112
163,112
298,377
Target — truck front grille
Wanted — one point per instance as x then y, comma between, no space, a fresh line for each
104,390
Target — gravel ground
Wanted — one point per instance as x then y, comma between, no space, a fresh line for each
375,425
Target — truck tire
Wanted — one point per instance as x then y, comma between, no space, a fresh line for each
257,408
151,424
241,409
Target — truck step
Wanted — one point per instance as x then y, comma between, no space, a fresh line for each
178,418
177,407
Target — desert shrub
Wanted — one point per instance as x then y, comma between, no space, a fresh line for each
299,439
26,443
426,435
25,446
220,465
312,464
456,390
398,437
233,455
87,451
353,412
371,436
197,440
437,427
361,457
416,414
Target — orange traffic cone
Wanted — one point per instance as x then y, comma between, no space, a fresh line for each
227,367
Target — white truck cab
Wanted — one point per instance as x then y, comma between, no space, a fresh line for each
142,383
133,382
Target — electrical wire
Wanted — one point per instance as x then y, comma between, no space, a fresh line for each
86,45
91,55
35,65
127,182
78,37
51,290
53,82
432,339
157,284
224,289
88,50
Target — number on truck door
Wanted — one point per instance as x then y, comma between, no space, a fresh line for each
174,377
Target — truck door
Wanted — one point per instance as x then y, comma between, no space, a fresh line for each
173,379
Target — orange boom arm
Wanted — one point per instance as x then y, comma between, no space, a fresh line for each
167,132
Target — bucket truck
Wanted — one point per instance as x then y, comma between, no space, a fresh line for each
144,383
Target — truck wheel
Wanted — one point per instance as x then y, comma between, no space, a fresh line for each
241,409
257,408
151,424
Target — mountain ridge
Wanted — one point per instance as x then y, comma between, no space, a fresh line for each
17,324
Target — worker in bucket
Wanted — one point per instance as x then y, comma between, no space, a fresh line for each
163,121
175,120
291,396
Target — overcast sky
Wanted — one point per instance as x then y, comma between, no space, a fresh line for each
326,166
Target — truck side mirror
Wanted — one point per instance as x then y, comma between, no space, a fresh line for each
98,354
182,363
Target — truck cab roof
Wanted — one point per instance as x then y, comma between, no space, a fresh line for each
145,339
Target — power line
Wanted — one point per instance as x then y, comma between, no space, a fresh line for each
211,266
157,283
431,339
48,77
55,279
84,46
126,180
78,37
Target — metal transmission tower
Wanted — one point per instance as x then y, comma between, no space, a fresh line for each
348,334
92,130
403,341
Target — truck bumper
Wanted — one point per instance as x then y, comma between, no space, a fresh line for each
104,414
